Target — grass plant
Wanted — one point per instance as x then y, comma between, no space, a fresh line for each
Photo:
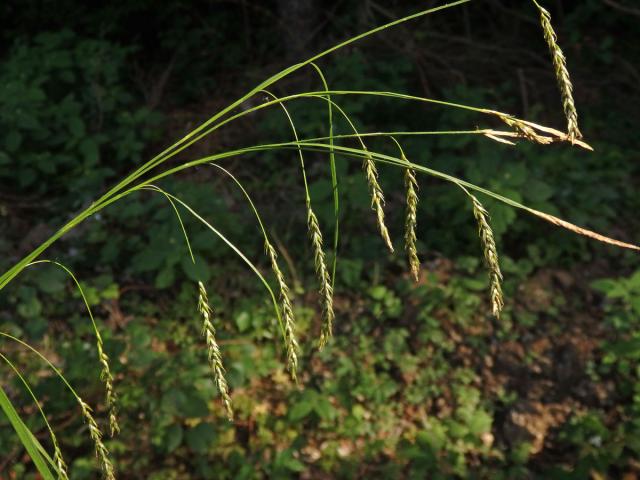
147,176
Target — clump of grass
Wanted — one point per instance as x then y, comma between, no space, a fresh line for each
141,179
96,435
562,73
377,197
213,350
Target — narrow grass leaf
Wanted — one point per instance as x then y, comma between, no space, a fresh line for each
27,440
58,460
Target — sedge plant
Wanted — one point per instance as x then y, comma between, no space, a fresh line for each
147,176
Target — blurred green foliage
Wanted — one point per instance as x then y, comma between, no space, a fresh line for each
68,120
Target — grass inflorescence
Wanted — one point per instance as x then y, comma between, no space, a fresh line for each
58,459
213,350
107,378
105,368
411,221
562,74
326,290
315,235
291,343
377,197
490,255
96,435
61,466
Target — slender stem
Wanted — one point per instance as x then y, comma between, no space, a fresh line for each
173,149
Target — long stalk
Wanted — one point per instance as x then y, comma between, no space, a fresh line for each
13,271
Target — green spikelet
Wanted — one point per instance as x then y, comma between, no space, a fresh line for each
377,198
291,344
326,291
59,462
490,255
411,220
562,74
213,350
96,435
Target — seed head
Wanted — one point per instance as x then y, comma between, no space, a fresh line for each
213,350
291,344
562,74
490,255
96,435
411,220
377,197
326,291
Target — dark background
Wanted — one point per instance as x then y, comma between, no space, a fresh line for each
420,382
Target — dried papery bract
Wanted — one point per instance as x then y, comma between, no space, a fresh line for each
326,291
213,350
525,131
531,131
490,254
377,197
96,435
411,220
562,73
291,344
582,231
